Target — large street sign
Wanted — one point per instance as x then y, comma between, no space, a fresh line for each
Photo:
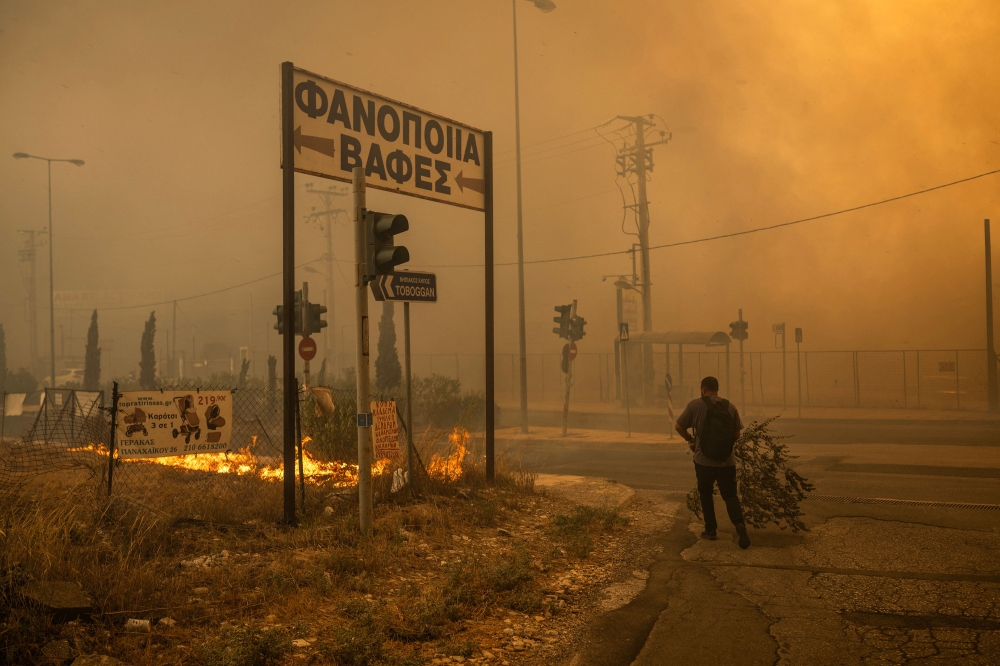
402,148
406,286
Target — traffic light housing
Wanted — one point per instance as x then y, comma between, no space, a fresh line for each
576,328
314,323
296,317
739,330
382,255
564,321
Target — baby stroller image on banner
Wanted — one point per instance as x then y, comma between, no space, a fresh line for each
155,424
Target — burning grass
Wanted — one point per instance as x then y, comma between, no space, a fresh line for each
391,598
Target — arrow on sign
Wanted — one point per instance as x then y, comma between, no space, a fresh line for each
317,143
474,184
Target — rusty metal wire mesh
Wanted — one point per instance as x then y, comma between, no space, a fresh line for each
70,438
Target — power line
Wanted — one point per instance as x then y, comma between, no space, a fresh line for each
738,233
598,254
191,298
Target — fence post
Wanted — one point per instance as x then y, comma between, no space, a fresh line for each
904,379
857,384
114,434
298,437
958,385
808,401
918,379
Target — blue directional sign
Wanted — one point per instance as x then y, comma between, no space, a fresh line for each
406,286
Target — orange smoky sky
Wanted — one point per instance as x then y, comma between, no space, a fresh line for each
777,111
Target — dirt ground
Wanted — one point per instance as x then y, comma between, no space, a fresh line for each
466,573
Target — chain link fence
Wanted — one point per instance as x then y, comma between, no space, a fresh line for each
69,440
920,379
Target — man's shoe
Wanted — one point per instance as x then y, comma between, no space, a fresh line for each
709,535
741,529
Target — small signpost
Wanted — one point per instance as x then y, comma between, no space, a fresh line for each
623,338
307,349
406,286
385,429
334,130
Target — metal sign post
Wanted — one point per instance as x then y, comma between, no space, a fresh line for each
623,339
365,452
336,131
798,365
409,400
288,287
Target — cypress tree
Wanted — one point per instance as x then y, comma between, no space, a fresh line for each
388,372
147,358
3,359
92,359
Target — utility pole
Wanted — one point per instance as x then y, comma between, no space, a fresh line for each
366,451
992,392
28,255
328,214
638,159
743,392
173,349
798,365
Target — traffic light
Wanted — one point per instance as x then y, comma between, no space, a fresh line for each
313,322
296,318
739,330
382,254
563,320
576,328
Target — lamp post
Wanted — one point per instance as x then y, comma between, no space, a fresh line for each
545,6
52,292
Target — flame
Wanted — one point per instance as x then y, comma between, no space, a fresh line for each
245,463
450,468
98,448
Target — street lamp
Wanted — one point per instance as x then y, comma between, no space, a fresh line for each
545,6
52,292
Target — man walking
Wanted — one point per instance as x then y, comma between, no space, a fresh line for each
717,426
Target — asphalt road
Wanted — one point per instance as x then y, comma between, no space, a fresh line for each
831,595
936,461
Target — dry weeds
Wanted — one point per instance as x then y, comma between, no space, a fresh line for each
440,575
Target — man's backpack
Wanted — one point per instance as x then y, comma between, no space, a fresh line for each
718,434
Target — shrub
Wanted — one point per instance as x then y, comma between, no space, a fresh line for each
21,381
575,530
246,646
769,491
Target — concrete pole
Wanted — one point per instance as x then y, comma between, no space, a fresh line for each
743,391
409,399
992,392
365,452
52,290
521,335
647,299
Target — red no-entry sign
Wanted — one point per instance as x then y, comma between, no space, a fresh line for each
572,351
307,349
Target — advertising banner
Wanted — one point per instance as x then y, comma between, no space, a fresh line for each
157,424
386,429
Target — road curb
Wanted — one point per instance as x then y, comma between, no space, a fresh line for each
587,491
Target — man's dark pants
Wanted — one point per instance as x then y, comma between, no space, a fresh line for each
726,478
